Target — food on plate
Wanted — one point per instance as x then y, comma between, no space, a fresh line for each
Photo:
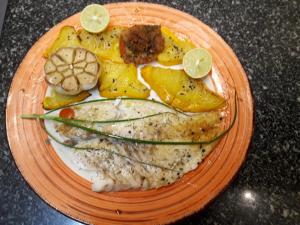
132,142
177,89
56,100
166,127
175,48
140,44
67,113
67,37
94,18
123,166
72,70
197,62
105,44
120,79
154,149
148,152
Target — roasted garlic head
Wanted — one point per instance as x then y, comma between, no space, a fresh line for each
72,70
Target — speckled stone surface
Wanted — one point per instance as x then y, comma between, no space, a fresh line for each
265,35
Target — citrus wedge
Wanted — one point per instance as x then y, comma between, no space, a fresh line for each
197,62
94,18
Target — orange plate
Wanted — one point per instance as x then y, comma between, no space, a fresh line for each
68,192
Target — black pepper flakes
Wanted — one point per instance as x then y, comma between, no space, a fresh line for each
70,142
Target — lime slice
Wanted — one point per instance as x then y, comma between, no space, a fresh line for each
197,62
94,18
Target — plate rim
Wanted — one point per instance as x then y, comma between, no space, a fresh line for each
241,69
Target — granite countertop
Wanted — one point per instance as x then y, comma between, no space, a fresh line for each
264,35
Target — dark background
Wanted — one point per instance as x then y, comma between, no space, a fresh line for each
265,37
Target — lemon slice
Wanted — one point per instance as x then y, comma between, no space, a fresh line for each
94,18
197,62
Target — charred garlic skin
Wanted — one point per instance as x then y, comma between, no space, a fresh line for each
72,70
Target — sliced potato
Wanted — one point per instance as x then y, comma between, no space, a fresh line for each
120,79
111,72
105,44
72,70
56,100
177,89
175,48
67,37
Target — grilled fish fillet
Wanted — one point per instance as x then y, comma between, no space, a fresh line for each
123,165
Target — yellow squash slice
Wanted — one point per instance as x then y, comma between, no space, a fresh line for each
56,100
105,44
120,79
176,88
175,48
67,37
